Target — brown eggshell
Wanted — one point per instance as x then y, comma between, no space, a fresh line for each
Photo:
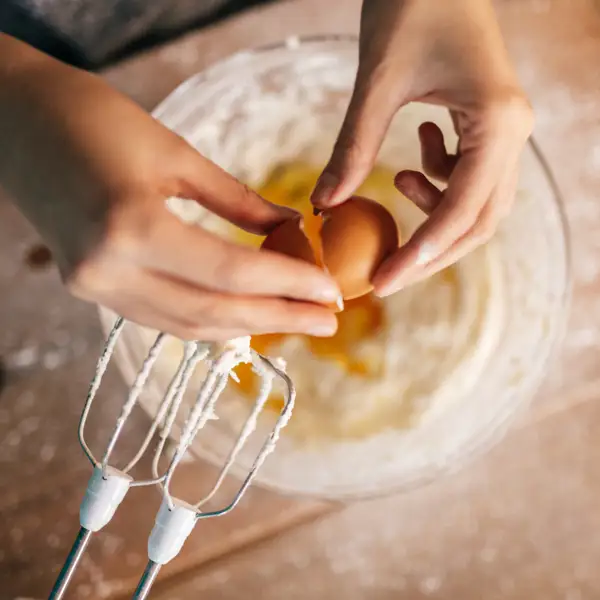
357,236
289,239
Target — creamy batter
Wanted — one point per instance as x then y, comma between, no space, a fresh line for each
395,361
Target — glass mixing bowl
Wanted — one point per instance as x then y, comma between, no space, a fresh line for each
260,109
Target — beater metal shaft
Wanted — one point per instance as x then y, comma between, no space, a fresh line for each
176,519
66,573
147,581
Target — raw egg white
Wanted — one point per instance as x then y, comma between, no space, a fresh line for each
350,241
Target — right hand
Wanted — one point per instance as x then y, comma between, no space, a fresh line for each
91,170
448,53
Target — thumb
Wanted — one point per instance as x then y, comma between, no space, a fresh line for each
368,117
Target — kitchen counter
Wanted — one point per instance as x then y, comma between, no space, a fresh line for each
519,522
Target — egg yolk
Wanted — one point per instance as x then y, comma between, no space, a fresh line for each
291,185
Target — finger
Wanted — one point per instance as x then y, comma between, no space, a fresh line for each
506,193
250,314
200,258
139,305
480,233
224,195
419,190
437,163
363,130
496,209
449,221
146,315
193,311
455,121
393,277
469,188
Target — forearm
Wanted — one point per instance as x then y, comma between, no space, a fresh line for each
19,64
43,108
16,56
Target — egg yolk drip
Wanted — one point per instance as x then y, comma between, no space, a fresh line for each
291,185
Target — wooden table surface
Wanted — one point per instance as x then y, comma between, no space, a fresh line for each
520,522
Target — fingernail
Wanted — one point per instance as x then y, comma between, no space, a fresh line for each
322,330
427,252
325,188
327,295
290,213
385,291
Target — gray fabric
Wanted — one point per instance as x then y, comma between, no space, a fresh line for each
96,30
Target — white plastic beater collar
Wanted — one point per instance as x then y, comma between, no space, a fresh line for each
104,493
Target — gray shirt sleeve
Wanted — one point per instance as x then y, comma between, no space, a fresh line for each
90,32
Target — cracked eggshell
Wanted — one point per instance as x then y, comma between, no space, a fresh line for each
289,239
354,239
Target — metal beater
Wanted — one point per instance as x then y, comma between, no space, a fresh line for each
176,518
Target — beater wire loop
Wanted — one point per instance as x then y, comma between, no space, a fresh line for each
176,518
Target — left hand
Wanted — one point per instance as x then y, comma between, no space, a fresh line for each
452,55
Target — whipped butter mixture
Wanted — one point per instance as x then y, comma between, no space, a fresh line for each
394,361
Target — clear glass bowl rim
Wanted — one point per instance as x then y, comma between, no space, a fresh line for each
488,439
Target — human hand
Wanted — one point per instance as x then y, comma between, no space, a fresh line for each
92,170
449,54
